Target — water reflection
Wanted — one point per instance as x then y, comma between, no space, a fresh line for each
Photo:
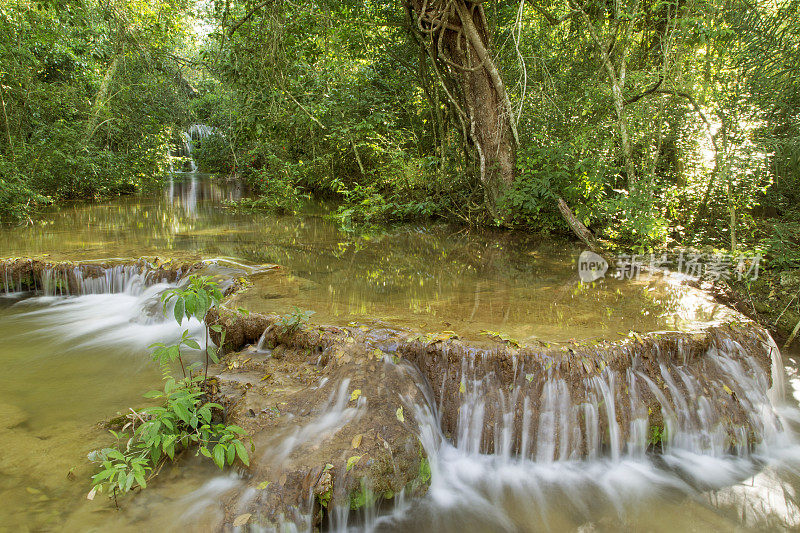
434,278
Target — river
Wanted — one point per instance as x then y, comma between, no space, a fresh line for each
72,361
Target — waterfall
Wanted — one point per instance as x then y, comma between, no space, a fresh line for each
717,405
551,453
195,132
64,280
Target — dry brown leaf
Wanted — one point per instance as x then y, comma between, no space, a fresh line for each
242,519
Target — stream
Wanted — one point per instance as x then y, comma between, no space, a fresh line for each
71,362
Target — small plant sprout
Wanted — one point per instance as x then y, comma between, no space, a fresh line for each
195,300
292,321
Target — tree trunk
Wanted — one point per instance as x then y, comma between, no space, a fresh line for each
456,37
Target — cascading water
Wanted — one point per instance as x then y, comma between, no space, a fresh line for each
96,305
195,132
547,452
132,279
548,460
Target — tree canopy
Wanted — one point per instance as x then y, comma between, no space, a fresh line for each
656,123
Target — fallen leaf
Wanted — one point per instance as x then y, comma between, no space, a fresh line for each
357,440
727,389
400,416
462,388
355,394
263,485
351,462
242,519
91,494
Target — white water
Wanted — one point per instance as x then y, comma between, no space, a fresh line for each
132,322
133,280
121,307
544,484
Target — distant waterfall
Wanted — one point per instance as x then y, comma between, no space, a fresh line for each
195,132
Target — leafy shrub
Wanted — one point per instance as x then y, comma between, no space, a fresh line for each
364,205
158,434
547,171
292,321
185,419
17,201
213,154
276,193
783,245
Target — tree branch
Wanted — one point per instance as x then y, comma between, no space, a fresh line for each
552,19
651,90
696,108
312,117
245,18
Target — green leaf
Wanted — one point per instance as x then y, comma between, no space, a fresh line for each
351,462
129,482
182,411
219,455
212,353
191,343
190,305
241,452
179,310
139,475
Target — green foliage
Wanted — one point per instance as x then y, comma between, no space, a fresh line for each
193,299
657,436
185,419
87,99
276,193
549,170
783,245
17,201
424,475
213,154
158,434
291,322
635,221
363,496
